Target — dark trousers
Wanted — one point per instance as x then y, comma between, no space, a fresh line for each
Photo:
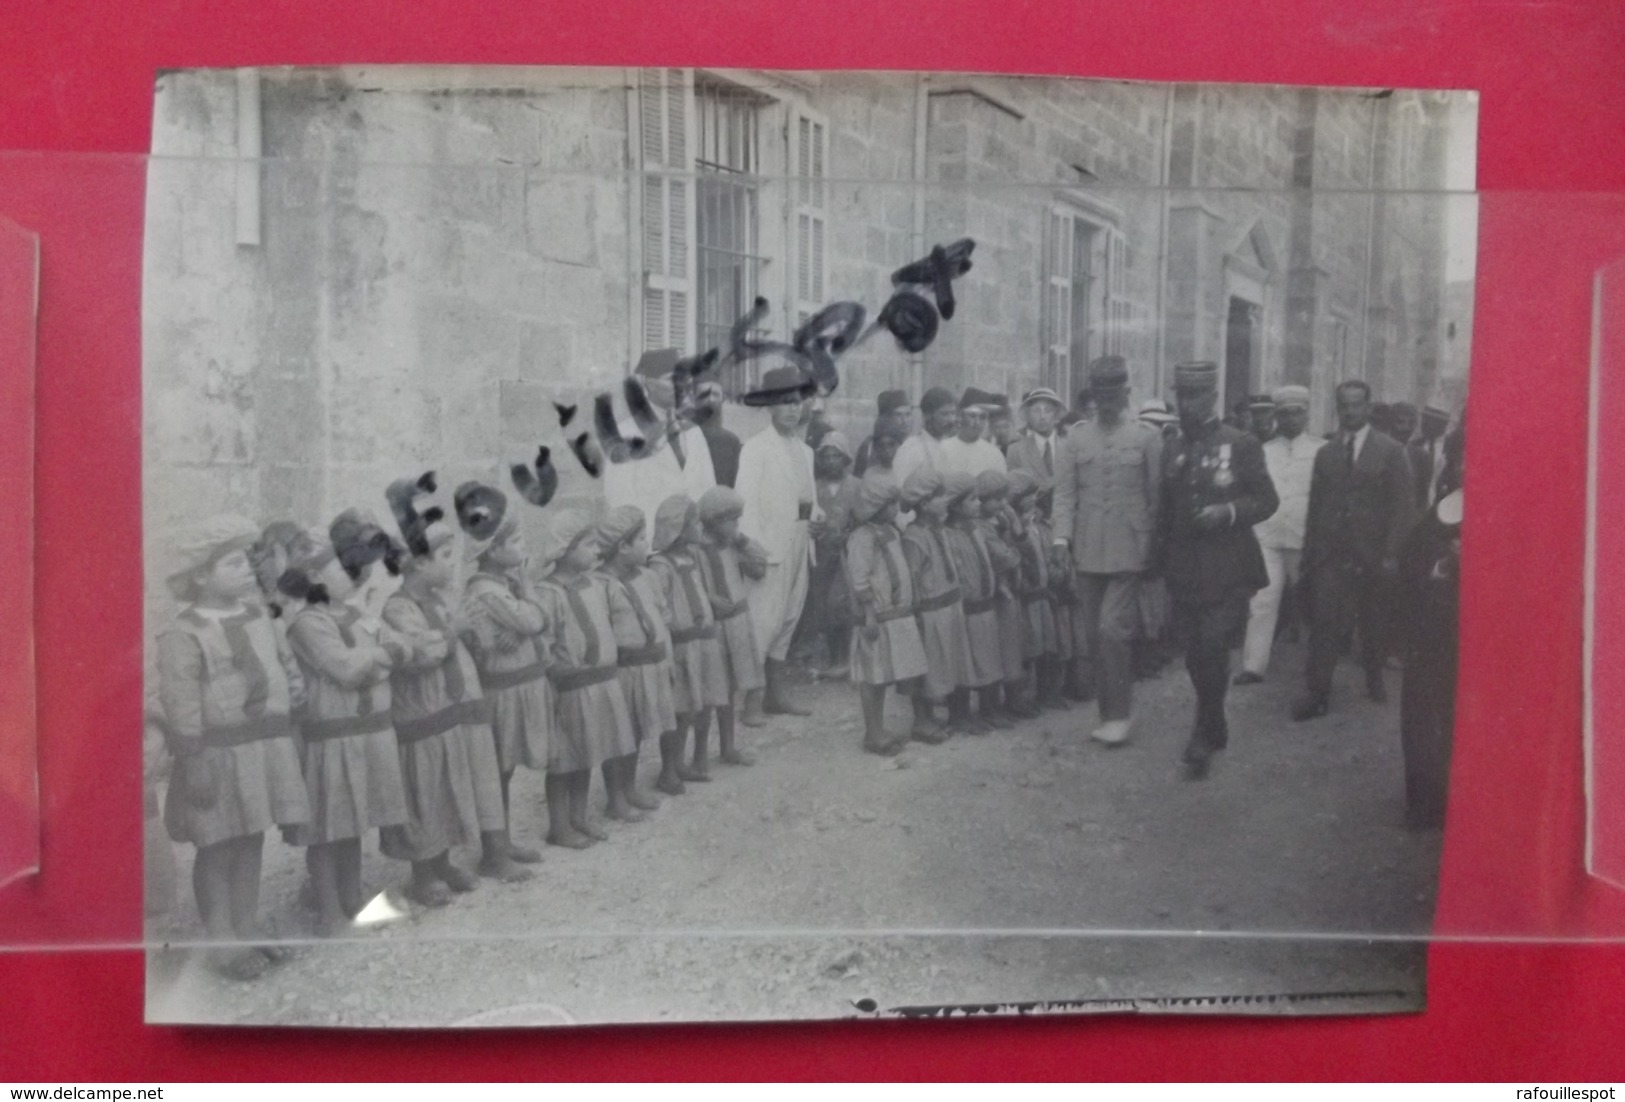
1342,596
1427,720
1208,630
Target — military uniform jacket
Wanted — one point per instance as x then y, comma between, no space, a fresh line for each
1217,465
1107,485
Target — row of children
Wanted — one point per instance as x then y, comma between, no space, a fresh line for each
962,600
301,686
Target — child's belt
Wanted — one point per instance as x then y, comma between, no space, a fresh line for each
641,656
569,678
894,614
941,600
694,634
986,604
241,734
318,730
438,723
493,680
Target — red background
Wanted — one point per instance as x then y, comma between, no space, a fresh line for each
76,75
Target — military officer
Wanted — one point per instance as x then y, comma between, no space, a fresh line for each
1107,484
1215,487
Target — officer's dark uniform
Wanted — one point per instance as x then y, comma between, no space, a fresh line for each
1212,573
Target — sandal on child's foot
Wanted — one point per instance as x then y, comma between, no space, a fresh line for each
697,775
241,965
524,855
458,879
642,801
569,841
590,831
505,871
886,748
738,757
931,736
671,786
428,895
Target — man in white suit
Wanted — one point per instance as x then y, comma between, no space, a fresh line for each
682,463
782,514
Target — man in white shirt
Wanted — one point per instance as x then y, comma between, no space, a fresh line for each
682,462
782,514
1290,457
926,448
971,452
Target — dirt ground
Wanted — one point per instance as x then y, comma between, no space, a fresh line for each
1023,866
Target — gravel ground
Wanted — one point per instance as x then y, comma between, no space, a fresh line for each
1024,866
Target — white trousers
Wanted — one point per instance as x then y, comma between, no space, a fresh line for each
777,600
1283,566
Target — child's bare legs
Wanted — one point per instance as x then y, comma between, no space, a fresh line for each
561,830
517,853
456,878
700,770
331,918
494,859
725,737
617,798
872,699
426,888
993,716
640,800
672,745
212,885
580,787
1015,702
348,866
247,858
926,729
959,718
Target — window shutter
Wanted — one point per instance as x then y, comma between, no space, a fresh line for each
1056,320
1119,310
809,167
665,109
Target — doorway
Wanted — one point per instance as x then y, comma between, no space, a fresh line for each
1240,350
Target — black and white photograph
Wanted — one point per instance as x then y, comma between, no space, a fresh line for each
638,545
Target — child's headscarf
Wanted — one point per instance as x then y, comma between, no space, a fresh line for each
671,519
873,496
200,544
922,485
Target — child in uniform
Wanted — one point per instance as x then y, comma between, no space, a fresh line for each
699,670
506,631
643,650
1001,530
939,606
726,559
984,664
594,724
443,725
1037,592
225,689
887,650
829,600
346,654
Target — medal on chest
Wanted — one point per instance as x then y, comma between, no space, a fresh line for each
1222,476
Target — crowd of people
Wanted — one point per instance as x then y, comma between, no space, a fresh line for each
335,681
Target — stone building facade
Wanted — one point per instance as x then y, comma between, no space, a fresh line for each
426,261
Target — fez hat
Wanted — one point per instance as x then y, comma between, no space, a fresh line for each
936,398
1261,401
1196,375
976,398
892,400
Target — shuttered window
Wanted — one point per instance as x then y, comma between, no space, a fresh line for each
1089,308
665,128
809,167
